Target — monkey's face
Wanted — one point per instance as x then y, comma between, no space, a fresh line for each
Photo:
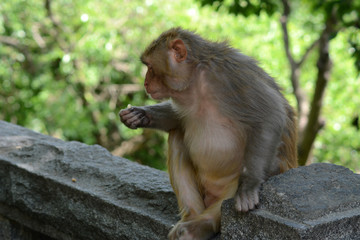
165,80
154,84
168,71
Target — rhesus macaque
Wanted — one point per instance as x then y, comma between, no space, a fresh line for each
229,126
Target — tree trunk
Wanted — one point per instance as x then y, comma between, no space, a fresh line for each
324,65
309,122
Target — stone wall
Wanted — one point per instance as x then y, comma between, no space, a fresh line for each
51,189
320,201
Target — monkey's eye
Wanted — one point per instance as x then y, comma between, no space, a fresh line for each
151,70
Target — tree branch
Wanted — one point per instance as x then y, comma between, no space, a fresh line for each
12,42
324,65
57,26
302,102
283,21
37,36
308,51
50,15
29,64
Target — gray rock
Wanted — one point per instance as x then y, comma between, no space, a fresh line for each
51,189
69,190
320,201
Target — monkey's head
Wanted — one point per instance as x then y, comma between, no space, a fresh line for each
168,67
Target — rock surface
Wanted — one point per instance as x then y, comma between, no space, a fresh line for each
51,189
320,201
69,190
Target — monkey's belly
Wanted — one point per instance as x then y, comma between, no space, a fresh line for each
214,148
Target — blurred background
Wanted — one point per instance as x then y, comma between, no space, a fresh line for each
68,67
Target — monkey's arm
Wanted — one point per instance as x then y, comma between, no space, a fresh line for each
159,116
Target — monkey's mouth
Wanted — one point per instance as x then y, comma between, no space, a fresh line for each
150,92
155,95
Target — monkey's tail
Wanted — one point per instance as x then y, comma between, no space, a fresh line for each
288,150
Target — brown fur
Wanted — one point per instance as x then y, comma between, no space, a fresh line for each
229,126
288,151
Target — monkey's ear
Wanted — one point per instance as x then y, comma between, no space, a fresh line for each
178,49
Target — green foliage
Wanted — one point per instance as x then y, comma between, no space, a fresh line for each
245,7
68,71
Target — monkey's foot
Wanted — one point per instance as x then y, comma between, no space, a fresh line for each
246,201
193,230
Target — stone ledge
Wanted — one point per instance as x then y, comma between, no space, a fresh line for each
320,201
69,190
53,189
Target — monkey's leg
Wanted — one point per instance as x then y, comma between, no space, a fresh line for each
207,224
260,154
183,178
197,229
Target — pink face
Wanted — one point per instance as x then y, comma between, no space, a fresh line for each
166,72
154,85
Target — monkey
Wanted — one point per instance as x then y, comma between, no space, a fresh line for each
230,128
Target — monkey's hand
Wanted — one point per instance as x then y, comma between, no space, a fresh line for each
134,117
